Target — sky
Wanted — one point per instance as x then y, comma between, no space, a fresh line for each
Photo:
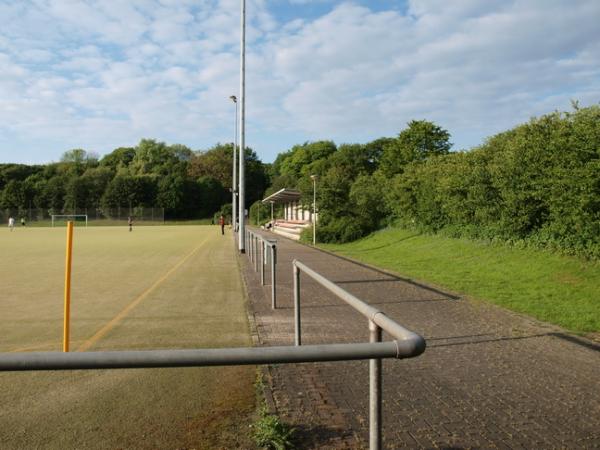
101,74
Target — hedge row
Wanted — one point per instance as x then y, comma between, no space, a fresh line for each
538,183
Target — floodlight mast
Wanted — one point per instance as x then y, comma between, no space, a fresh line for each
241,199
234,181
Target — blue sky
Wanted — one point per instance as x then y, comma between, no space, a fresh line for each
102,74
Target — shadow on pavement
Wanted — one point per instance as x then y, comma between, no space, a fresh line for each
567,337
317,436
392,276
577,341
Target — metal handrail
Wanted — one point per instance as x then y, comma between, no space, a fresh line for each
408,343
375,315
137,359
271,255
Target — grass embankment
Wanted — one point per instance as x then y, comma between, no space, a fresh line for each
553,288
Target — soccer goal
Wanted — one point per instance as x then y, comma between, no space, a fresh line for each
59,219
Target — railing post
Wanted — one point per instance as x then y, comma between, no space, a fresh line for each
256,253
262,262
247,239
297,333
273,279
375,388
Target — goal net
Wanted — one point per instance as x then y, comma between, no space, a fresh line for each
61,219
84,216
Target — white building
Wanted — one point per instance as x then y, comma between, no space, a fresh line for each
295,217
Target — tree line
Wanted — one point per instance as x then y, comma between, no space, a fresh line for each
536,184
185,183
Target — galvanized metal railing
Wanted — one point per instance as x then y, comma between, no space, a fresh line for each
408,343
267,254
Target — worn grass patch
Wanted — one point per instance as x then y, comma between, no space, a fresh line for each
553,288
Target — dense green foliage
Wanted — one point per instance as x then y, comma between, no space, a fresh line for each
554,288
536,185
186,184
353,179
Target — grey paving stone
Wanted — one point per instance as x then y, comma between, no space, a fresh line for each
490,378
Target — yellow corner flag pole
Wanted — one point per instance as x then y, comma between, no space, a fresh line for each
68,287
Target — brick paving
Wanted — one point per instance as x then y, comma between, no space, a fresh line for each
489,378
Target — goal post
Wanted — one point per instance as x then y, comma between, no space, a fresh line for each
60,218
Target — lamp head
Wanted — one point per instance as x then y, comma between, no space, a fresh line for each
233,98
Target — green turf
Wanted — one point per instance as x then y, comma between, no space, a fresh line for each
557,289
159,287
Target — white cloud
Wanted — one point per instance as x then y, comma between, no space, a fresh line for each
104,74
355,73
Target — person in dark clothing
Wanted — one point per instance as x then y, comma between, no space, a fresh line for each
222,223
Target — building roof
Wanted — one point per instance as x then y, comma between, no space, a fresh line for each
283,196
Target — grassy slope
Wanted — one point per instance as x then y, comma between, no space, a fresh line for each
553,288
199,304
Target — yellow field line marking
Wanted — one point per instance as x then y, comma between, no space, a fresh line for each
115,320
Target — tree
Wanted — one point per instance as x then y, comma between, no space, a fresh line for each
119,158
13,195
218,163
76,155
97,180
77,193
421,140
367,197
127,190
155,158
54,193
302,160
171,194
211,196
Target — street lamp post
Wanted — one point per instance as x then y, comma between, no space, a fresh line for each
314,178
241,190
234,189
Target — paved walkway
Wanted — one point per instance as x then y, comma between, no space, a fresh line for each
488,379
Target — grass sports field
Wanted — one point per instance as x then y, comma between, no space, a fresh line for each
156,287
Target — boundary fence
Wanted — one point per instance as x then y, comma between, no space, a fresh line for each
107,216
266,255
407,343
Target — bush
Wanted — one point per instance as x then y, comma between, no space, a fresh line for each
535,185
341,230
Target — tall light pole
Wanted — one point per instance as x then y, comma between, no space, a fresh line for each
314,178
241,199
234,188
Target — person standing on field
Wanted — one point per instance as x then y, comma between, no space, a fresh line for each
22,221
11,223
222,223
130,223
